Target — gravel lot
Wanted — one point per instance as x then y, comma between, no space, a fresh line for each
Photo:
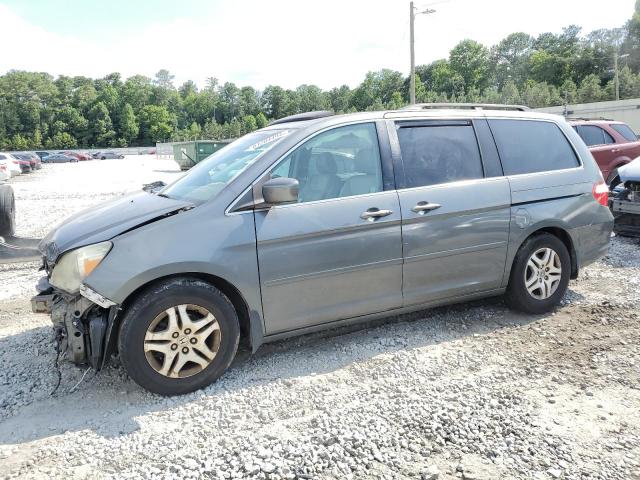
472,391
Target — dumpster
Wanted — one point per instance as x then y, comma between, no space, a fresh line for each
187,154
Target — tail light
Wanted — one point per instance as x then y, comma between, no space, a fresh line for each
600,192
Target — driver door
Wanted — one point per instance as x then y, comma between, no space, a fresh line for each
337,253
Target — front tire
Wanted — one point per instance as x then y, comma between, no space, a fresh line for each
178,336
540,274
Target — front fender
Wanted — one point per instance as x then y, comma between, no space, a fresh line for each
192,242
617,163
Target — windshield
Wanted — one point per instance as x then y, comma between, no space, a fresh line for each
211,175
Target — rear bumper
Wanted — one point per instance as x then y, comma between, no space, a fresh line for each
592,241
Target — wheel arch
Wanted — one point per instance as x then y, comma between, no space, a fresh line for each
617,163
558,231
250,327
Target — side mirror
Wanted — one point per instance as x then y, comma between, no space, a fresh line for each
280,190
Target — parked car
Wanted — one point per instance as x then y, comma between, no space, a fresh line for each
23,163
42,154
32,158
107,155
12,166
78,155
320,220
611,143
59,158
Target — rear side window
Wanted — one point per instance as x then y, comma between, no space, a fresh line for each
530,146
593,135
625,131
439,154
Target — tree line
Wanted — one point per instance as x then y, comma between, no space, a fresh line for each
40,111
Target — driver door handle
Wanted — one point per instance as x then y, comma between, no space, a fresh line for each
373,213
422,207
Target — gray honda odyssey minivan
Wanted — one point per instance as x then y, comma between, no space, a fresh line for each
319,220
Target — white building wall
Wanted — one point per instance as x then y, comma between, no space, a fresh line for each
627,111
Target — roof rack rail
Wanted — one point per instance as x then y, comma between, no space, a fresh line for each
588,119
467,106
301,117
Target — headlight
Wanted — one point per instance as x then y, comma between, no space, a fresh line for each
76,265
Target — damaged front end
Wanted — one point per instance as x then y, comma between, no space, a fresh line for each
82,321
625,201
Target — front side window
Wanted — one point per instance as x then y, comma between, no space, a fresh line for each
211,175
341,162
625,131
433,155
530,146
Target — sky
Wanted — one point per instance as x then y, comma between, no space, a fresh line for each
261,42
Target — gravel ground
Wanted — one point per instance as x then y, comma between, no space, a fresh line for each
472,391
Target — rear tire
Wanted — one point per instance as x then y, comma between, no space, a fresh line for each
535,285
7,211
158,321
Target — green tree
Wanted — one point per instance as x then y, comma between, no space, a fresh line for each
536,94
261,120
470,60
129,128
19,142
101,128
156,124
510,94
249,124
590,89
60,141
510,58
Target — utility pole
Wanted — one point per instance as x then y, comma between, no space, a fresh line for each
412,77
615,66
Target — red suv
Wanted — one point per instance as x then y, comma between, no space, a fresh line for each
611,143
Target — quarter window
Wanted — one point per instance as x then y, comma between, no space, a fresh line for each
625,131
341,162
433,155
530,146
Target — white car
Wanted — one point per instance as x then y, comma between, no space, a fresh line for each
11,162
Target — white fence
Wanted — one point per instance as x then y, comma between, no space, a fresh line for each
164,150
627,111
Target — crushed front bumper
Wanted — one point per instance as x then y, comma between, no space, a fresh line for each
82,326
627,217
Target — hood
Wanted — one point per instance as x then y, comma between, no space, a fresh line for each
630,172
105,221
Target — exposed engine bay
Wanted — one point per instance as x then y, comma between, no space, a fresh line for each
81,327
625,201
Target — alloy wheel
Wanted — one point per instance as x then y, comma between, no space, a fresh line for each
182,341
543,273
